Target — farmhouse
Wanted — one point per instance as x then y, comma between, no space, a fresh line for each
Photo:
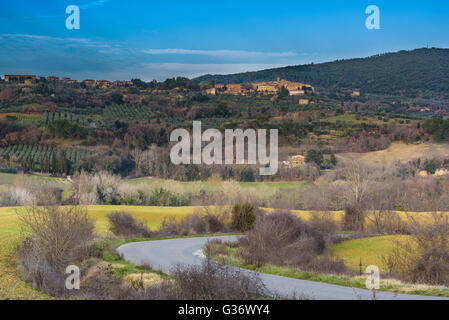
297,161
27,79
296,92
233,88
211,91
104,84
266,88
89,82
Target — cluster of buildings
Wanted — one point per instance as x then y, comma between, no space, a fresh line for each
294,161
266,88
30,79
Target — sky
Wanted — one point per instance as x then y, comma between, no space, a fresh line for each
147,39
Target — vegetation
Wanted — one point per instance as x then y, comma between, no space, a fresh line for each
390,73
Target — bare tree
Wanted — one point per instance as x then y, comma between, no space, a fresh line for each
356,192
138,156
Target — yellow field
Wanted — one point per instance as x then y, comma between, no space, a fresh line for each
370,250
399,151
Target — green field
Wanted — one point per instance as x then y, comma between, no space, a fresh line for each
353,118
8,178
211,184
368,250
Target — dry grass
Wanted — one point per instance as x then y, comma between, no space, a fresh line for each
399,151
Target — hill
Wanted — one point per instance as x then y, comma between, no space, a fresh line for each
416,72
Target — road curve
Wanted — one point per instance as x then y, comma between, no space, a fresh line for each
165,254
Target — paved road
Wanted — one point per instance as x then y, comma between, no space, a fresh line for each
165,254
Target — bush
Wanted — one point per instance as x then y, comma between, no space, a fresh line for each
354,218
424,257
243,217
206,220
387,222
213,281
123,224
281,238
56,238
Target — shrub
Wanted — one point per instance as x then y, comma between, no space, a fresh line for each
213,281
192,224
354,218
243,217
281,238
56,238
387,222
123,224
206,220
424,257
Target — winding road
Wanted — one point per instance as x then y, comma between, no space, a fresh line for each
165,254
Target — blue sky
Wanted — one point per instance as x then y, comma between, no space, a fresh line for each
158,39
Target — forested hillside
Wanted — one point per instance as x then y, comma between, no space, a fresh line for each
421,71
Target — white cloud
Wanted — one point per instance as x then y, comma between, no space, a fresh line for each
229,54
161,71
94,3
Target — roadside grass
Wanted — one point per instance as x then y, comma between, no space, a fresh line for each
357,282
124,268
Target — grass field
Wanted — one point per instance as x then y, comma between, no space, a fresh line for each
399,151
369,250
211,185
8,178
366,119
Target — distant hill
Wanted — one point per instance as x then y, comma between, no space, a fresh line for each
403,72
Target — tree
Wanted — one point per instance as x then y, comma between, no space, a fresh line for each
222,110
243,217
356,178
116,97
283,92
430,166
138,156
314,156
333,159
